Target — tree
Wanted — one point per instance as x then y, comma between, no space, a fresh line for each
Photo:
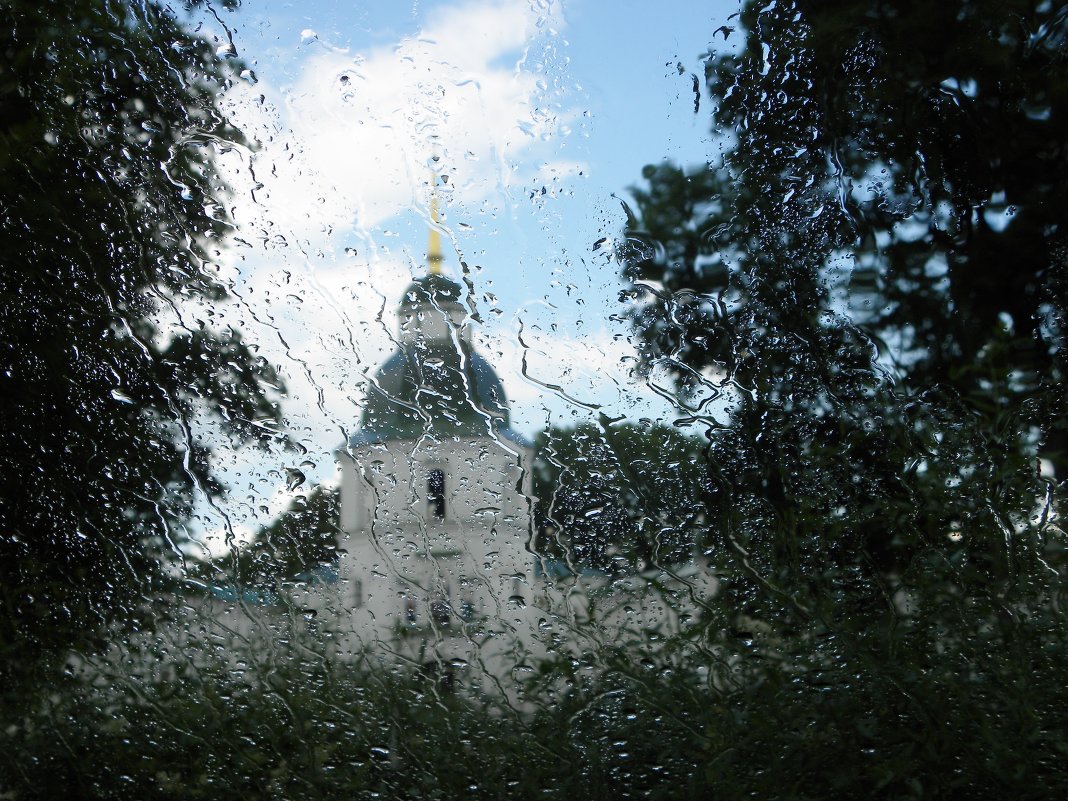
617,498
928,144
297,543
875,271
112,216
924,148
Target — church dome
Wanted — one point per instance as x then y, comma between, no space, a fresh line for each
434,290
435,383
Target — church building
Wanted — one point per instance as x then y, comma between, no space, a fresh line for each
436,494
436,560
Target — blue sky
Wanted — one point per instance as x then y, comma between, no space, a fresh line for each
353,107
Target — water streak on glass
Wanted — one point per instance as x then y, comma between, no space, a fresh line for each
509,399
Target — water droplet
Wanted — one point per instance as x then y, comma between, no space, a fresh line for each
294,478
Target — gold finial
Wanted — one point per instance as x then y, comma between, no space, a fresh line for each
433,247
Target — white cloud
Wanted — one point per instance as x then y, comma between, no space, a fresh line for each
560,378
339,161
348,145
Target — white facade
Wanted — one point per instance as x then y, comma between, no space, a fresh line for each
436,562
425,563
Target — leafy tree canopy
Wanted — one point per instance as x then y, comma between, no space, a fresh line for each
875,266
874,270
908,159
298,543
112,216
618,498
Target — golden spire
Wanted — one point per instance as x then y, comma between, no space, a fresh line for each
433,247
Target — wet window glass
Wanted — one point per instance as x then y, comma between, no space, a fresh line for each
533,399
435,493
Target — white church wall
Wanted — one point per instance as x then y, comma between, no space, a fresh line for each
438,585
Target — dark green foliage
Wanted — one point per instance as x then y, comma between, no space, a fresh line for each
898,374
111,216
890,562
618,497
928,144
299,542
298,724
679,722
875,271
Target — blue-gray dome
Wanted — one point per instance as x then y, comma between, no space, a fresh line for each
437,387
434,289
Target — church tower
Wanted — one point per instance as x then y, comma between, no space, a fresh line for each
435,489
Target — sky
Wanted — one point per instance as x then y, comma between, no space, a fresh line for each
531,118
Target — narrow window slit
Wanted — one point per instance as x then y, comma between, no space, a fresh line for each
435,493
